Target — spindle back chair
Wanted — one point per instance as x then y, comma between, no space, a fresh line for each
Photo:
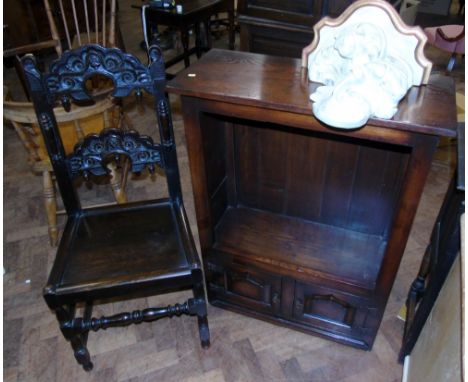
122,251
83,22
73,23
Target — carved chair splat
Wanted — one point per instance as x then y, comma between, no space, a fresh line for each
121,251
73,126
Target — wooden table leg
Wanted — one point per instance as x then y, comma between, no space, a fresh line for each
198,40
232,30
206,24
184,36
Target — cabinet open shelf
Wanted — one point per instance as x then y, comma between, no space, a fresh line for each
300,245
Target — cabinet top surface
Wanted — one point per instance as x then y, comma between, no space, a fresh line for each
280,83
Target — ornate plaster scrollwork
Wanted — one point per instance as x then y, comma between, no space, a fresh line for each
366,59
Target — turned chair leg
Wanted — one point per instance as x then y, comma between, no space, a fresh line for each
50,203
77,341
116,183
202,314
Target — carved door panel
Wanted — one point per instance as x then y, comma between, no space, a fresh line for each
245,287
334,311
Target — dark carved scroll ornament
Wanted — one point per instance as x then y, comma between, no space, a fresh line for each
157,66
92,154
31,72
68,75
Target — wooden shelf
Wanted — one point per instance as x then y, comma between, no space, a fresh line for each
301,245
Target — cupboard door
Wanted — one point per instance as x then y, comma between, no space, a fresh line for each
333,311
243,286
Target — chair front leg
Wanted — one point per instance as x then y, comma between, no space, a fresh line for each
77,340
201,308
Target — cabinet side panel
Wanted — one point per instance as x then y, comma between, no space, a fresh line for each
214,151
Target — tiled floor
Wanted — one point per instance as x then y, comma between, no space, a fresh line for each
243,349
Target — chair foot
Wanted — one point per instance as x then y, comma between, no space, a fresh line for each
81,353
77,341
204,331
88,367
201,309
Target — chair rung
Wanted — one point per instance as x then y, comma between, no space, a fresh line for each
83,325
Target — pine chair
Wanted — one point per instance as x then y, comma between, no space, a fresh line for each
73,126
126,250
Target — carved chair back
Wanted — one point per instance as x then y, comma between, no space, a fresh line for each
66,81
73,127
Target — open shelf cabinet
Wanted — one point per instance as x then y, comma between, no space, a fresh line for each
301,224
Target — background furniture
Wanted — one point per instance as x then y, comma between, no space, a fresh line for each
438,354
449,38
126,250
282,28
407,9
439,258
73,126
440,7
70,26
286,207
194,13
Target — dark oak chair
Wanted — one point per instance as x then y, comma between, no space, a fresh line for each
126,250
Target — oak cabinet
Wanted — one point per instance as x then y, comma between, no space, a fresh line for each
302,224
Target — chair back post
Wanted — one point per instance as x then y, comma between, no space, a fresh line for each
166,131
43,106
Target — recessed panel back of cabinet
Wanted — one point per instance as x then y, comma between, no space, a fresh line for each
325,179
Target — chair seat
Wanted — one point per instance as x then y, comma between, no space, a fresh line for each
111,247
